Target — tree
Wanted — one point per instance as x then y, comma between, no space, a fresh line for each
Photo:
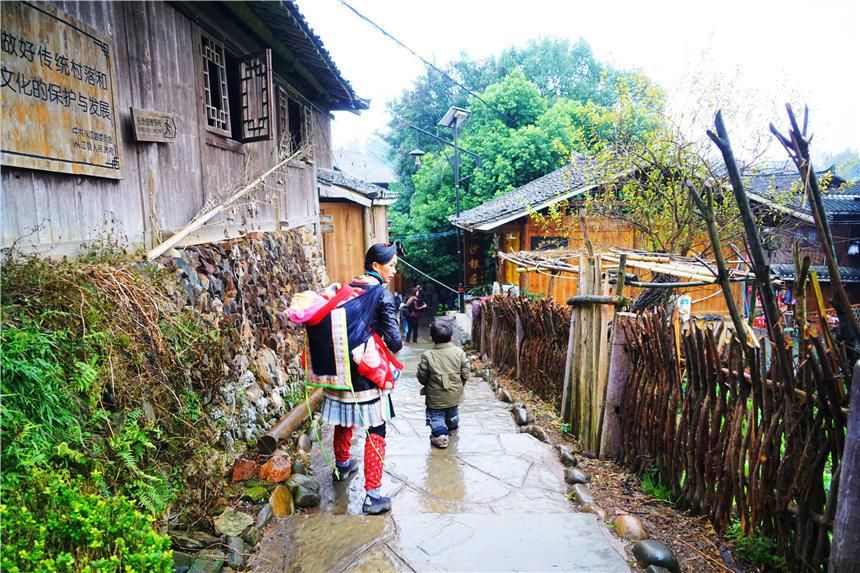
519,136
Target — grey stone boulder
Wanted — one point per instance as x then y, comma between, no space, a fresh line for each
538,433
582,495
236,551
521,417
299,467
208,561
193,539
653,552
232,522
264,516
252,536
574,476
565,456
505,396
656,569
305,490
182,561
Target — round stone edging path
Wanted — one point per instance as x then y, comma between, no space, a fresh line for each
647,552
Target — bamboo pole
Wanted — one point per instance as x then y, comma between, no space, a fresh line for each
288,423
198,222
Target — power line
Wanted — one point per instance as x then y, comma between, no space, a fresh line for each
401,260
429,64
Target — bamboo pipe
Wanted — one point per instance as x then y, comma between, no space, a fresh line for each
667,269
289,422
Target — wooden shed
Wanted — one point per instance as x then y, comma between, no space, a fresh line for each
124,120
354,215
508,219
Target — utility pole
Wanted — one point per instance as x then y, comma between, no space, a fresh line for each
461,287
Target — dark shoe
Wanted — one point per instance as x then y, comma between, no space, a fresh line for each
341,473
453,432
376,504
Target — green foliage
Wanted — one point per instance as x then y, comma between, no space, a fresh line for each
651,484
101,376
55,522
756,550
546,100
46,390
660,163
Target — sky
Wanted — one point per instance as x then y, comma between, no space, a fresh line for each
770,50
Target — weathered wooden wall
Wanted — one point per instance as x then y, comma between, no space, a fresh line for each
603,233
156,50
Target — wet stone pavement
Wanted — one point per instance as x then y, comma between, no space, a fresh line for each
494,500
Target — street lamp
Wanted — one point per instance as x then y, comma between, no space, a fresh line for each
453,119
417,154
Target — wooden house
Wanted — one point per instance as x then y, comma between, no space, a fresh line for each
124,120
507,223
354,215
788,218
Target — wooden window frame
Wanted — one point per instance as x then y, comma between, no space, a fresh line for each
216,109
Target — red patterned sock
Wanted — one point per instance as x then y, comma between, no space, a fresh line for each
374,456
342,442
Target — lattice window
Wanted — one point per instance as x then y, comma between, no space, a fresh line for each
308,133
284,146
215,86
255,85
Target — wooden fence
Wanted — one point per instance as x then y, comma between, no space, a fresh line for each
526,339
735,445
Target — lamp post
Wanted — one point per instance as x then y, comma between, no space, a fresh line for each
454,118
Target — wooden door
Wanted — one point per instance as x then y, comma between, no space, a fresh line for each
344,246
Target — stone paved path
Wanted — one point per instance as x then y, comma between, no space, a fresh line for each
494,500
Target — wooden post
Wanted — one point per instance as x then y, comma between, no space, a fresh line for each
619,373
845,553
568,370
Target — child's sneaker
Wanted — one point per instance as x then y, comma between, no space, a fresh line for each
453,432
342,472
374,504
439,441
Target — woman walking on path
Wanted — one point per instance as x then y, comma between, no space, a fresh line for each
414,307
366,405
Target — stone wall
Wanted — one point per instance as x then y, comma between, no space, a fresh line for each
245,286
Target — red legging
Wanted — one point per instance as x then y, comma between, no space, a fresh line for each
374,454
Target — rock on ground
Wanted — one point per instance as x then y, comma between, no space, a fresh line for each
630,527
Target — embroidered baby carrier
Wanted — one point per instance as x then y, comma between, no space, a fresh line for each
339,331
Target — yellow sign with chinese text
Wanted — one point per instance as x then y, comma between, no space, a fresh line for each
58,94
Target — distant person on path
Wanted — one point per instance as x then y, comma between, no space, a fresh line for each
414,307
443,372
366,405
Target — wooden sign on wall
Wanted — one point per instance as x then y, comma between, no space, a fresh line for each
475,253
153,126
58,94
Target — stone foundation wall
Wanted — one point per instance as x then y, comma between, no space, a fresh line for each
245,286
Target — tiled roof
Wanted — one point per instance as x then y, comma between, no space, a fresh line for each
842,202
786,272
292,30
341,179
568,181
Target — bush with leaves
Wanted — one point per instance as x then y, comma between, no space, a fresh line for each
61,523
103,376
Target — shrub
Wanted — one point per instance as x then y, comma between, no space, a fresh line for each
44,396
54,522
756,550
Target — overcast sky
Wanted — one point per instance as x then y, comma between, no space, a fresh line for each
808,49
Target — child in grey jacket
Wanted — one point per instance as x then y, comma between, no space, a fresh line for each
443,372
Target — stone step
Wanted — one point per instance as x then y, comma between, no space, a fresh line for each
453,542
